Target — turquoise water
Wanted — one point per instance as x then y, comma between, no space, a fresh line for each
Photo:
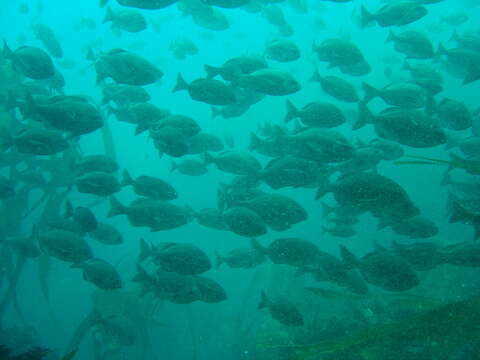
139,321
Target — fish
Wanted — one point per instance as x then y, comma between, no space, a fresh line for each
244,258
282,310
142,114
338,53
414,44
410,127
375,197
402,95
234,162
279,212
244,222
383,269
290,171
210,291
143,4
64,245
126,68
235,67
454,114
184,259
97,183
150,187
82,216
336,87
73,115
210,91
124,95
417,227
271,82
126,19
157,215
100,273
47,36
190,167
31,62
106,234
37,141
182,48
296,252
92,163
395,13
203,142
282,50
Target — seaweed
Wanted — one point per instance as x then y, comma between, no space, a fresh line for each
441,330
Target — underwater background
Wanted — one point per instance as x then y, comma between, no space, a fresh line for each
333,216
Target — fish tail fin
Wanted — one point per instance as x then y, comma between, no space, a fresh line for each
105,99
68,209
292,111
365,16
257,246
211,71
6,140
100,78
350,260
116,208
365,116
215,112
370,92
90,55
441,50
473,74
254,142
181,84
7,52
127,179
315,76
10,101
322,191
208,158
430,105
327,209
109,15
219,260
476,228
222,201
145,250
324,230
452,141
406,65
445,178
383,223
141,276
455,37
391,36
141,127
30,105
173,166
263,300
